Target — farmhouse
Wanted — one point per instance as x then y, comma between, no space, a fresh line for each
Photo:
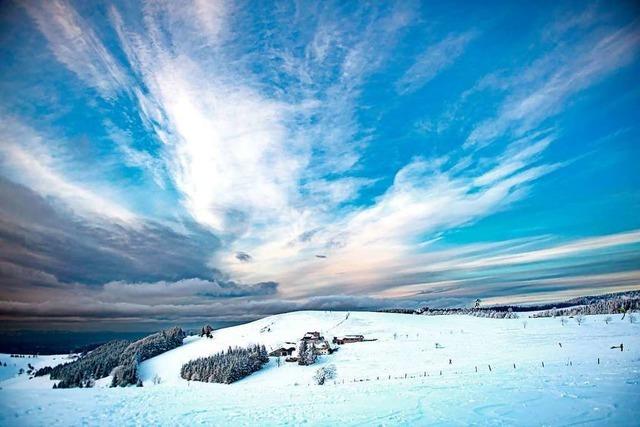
323,348
320,344
282,351
347,339
312,336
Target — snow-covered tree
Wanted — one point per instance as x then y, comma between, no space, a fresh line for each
306,353
324,374
206,331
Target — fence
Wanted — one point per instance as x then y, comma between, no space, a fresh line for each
477,369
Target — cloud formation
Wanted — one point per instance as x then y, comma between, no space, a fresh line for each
240,160
39,235
76,44
433,60
541,90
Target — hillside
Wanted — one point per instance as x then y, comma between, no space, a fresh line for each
370,387
468,342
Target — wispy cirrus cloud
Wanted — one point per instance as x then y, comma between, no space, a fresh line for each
250,164
582,245
75,43
32,160
433,60
541,90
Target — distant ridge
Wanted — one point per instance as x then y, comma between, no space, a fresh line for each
586,300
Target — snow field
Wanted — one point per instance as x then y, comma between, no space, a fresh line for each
571,388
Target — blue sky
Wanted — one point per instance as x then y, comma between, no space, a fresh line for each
163,162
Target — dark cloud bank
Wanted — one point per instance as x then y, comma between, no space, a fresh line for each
58,270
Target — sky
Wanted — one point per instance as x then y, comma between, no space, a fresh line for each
179,162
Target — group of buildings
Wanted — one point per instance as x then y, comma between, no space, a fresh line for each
320,345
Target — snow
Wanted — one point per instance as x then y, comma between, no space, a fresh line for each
9,375
370,387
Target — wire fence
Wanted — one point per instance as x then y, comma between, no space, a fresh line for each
487,368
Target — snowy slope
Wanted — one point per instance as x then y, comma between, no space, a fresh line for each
371,387
10,377
468,342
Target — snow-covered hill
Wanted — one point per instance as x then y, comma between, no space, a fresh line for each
582,380
406,344
11,376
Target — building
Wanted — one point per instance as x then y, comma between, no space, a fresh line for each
282,352
318,342
312,336
347,339
323,348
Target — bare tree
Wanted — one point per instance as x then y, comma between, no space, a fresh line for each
607,319
579,319
632,318
524,324
563,321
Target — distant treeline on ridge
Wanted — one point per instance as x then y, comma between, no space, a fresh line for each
600,304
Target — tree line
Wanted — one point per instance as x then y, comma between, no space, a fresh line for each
598,304
144,349
120,357
226,367
477,312
609,306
